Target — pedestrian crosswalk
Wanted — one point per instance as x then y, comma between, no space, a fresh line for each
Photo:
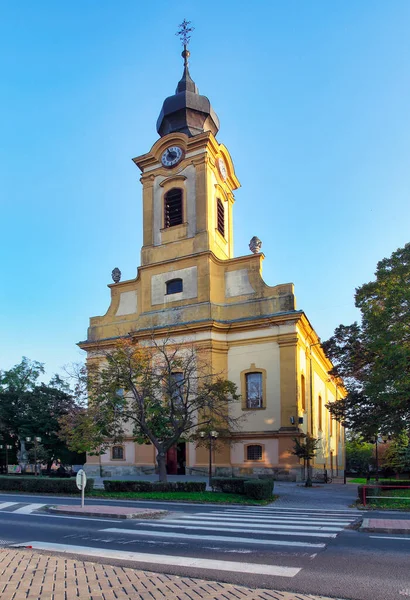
277,542
22,508
306,528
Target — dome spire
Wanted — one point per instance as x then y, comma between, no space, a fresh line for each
187,111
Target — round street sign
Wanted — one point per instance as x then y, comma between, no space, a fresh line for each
81,479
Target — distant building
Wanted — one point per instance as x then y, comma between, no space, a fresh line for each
189,282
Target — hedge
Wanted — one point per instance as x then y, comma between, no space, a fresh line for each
259,489
42,484
229,485
153,486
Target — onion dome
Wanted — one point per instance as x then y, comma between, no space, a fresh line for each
187,111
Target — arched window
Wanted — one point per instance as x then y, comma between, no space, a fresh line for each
174,286
254,452
254,389
220,210
173,208
303,391
117,453
319,413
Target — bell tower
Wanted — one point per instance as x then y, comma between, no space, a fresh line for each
188,178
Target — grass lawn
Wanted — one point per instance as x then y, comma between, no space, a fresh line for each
389,503
200,497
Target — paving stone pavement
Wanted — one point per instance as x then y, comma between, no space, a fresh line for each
28,575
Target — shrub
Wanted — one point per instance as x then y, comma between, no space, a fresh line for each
229,485
392,483
42,485
156,486
127,486
164,486
259,489
191,486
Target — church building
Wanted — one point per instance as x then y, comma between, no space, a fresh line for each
190,284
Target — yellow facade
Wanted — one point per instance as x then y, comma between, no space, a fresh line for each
248,326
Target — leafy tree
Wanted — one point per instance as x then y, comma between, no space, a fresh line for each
31,408
397,456
359,455
306,450
157,393
373,357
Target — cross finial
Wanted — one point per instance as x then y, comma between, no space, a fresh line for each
184,32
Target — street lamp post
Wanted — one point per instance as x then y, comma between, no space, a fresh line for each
212,435
37,439
6,447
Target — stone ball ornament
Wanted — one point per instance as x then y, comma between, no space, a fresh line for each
116,275
255,245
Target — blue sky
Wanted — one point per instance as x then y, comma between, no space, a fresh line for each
313,99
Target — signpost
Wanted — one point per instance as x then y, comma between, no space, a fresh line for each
81,480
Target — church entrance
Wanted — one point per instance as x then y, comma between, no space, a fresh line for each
176,457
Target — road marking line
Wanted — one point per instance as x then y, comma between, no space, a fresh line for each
301,509
213,538
27,510
253,515
207,527
388,537
163,559
7,504
280,520
47,516
255,526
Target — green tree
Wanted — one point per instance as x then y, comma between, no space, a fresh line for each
31,408
359,456
373,357
397,456
158,393
306,450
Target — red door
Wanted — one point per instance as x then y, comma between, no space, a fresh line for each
172,462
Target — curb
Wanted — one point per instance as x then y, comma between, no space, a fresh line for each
137,515
367,528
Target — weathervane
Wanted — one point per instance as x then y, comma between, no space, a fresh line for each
184,34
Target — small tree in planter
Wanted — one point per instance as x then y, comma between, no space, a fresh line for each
306,449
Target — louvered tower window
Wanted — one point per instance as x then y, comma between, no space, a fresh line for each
220,217
173,208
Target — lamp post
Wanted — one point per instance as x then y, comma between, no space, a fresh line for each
6,447
37,440
212,435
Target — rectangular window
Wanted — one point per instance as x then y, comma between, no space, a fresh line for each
254,390
254,452
118,453
173,208
177,384
220,217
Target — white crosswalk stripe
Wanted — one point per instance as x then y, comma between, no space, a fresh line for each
261,526
26,509
262,533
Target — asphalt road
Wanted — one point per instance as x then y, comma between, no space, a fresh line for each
298,549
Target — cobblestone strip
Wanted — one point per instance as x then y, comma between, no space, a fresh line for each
26,575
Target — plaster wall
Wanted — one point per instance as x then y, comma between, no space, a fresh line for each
237,283
189,278
270,453
264,355
127,304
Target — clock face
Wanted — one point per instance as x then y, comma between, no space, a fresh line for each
222,168
171,156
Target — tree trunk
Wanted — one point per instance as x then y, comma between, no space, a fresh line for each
309,474
162,466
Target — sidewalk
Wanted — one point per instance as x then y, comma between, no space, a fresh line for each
26,575
386,526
